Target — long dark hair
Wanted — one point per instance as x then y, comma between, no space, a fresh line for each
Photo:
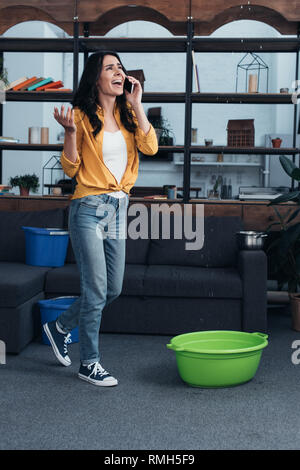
86,96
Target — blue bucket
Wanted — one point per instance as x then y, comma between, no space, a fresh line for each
46,246
51,309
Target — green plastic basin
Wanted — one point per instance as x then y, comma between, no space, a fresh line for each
218,358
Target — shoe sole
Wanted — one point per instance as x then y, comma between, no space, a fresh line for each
54,348
96,382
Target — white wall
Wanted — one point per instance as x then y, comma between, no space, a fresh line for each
163,72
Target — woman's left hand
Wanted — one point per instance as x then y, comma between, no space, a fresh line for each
134,98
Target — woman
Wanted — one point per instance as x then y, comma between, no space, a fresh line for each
102,134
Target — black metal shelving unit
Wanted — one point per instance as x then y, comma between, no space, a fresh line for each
85,45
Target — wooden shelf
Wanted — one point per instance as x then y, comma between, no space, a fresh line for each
246,44
36,44
40,96
169,148
176,97
24,146
178,44
233,150
134,44
239,164
255,98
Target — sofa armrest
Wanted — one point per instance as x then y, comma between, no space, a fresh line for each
252,268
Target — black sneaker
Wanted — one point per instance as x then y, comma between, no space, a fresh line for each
59,342
95,374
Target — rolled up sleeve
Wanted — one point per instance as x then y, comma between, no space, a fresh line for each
146,143
70,168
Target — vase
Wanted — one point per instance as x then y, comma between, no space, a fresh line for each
276,143
295,310
24,191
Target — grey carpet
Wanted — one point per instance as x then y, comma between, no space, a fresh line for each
45,406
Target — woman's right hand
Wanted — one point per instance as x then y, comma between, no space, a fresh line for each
66,121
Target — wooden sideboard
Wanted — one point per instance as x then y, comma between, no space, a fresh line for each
255,214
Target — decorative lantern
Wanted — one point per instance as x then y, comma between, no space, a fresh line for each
250,63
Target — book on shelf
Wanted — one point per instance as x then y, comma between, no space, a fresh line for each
156,196
43,82
196,73
34,81
23,84
14,83
59,89
3,138
57,84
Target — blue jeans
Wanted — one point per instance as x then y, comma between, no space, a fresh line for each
97,227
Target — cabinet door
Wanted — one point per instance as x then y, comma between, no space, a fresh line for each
260,216
222,210
40,204
8,204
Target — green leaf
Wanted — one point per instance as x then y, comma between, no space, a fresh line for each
268,229
288,238
280,217
285,198
293,216
296,174
287,164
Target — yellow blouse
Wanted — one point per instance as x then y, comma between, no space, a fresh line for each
92,176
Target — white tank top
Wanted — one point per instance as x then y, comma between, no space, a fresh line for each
114,152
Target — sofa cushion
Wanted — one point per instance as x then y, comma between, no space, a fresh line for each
70,257
190,281
134,277
66,280
12,237
219,248
20,282
136,250
63,280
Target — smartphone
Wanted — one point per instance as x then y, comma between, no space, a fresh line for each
128,85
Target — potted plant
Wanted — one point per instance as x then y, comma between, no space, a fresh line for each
276,142
214,193
164,133
284,251
25,183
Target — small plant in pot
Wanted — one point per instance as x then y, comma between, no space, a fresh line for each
214,193
284,251
25,183
276,142
164,133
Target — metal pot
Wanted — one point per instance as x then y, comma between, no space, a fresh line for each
250,240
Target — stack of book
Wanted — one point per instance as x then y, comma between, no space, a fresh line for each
4,189
3,138
36,84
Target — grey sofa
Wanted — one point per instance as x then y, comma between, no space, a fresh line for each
167,289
